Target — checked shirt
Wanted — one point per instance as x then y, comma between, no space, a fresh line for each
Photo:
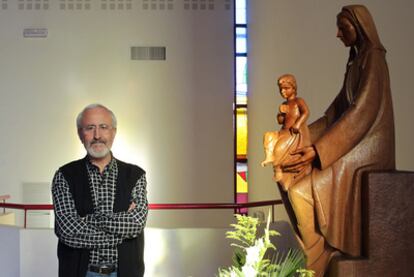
103,230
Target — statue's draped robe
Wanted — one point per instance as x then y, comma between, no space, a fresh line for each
356,134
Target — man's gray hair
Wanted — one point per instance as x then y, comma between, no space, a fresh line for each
93,106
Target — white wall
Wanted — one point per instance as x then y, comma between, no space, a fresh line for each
299,37
175,116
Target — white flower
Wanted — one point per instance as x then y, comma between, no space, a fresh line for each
253,252
249,271
253,256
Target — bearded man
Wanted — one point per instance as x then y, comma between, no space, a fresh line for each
100,205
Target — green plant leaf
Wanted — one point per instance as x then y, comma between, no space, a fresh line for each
249,253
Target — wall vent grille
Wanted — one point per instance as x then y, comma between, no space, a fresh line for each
148,53
33,5
72,5
158,4
116,5
199,5
119,5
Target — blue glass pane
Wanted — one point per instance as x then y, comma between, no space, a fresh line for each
241,80
241,40
241,12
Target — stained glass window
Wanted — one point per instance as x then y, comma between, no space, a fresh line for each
240,30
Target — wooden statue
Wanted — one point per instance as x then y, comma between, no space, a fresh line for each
294,133
355,135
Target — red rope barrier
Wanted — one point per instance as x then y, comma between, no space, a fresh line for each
163,206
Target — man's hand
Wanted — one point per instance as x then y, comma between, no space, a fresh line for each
306,155
132,206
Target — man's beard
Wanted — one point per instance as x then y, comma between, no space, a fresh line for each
97,154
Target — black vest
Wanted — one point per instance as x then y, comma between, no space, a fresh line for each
73,262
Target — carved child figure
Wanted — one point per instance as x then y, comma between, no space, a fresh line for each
294,134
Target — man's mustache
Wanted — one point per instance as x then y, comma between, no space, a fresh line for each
97,141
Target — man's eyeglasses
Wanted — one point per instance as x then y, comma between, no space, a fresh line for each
100,127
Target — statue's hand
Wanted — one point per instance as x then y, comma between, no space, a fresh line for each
306,155
294,130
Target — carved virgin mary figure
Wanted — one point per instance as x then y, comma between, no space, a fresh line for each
355,135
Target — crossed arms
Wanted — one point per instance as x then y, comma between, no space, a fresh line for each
97,230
